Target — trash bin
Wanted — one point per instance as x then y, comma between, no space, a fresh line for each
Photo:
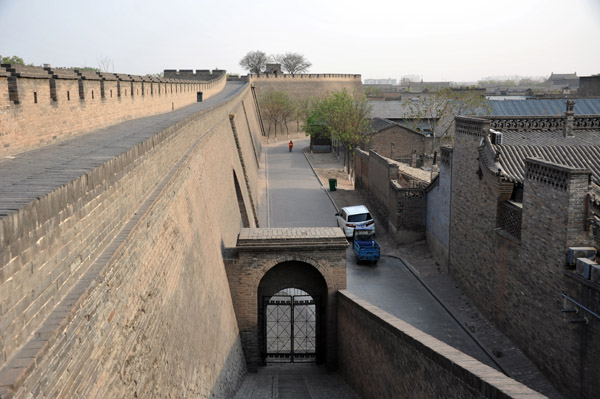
332,184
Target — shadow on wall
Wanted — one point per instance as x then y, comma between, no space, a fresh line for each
231,376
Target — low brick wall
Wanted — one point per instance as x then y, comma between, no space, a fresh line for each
401,209
381,356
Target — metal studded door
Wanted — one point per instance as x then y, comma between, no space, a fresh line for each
290,328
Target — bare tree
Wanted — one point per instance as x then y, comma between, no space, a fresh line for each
292,62
106,64
254,61
277,108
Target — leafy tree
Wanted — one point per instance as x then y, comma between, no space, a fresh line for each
372,91
254,61
437,109
277,108
292,62
12,60
342,116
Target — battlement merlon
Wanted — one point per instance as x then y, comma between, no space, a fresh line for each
189,74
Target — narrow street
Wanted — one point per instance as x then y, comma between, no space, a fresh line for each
294,197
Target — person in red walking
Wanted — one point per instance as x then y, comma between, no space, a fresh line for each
291,145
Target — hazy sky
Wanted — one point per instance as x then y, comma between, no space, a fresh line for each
460,40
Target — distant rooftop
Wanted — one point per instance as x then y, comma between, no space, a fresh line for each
583,106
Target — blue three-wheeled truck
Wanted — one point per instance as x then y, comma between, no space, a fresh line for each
365,246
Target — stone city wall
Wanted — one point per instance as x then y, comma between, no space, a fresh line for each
154,317
39,106
302,86
383,357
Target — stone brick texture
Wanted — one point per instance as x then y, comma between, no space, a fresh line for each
519,283
260,271
158,320
402,209
381,356
304,86
399,142
29,124
438,211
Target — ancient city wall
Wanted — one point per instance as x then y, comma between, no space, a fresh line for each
383,357
302,86
306,85
114,285
39,106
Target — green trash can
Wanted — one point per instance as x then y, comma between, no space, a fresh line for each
332,184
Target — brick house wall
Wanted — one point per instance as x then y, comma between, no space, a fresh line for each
518,281
438,209
399,143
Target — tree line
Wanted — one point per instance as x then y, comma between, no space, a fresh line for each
256,62
339,116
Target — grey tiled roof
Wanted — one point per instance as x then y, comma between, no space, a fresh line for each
583,106
581,151
379,124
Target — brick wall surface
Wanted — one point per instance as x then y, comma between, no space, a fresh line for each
399,142
438,214
320,271
401,209
519,283
361,170
383,357
303,86
31,124
159,319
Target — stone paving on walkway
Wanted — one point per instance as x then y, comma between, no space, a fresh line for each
33,174
295,381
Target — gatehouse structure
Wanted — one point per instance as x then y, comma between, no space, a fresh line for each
270,260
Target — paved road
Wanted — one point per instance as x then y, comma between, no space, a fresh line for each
391,286
297,199
30,175
294,195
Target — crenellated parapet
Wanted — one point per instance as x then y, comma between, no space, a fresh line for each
308,76
42,105
556,122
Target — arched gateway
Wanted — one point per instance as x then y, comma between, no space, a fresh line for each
283,283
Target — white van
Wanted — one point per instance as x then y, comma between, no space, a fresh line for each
352,216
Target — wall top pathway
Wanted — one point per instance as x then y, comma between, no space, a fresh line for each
29,176
309,238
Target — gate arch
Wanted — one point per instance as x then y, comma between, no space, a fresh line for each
268,260
302,276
